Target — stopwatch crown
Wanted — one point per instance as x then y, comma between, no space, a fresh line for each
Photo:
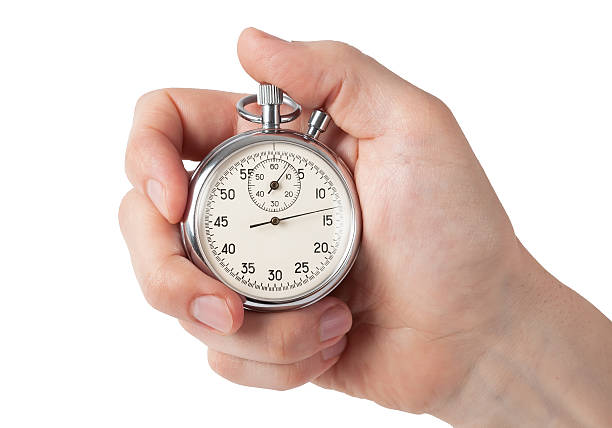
270,98
269,95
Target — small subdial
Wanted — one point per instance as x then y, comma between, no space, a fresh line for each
274,185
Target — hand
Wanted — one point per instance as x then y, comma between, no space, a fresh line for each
440,285
274,184
275,220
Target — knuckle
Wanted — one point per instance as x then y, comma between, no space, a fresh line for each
226,366
124,209
431,116
137,158
155,286
151,109
291,377
438,110
340,49
133,155
280,343
215,361
125,213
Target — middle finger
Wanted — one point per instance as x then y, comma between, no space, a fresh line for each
281,337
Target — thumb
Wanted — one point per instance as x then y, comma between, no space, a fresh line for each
361,95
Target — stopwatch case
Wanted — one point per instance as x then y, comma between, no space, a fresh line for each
200,181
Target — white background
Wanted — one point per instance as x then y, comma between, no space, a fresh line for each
529,83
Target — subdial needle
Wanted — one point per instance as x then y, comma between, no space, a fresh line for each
276,220
274,184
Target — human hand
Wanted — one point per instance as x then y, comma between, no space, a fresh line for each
440,277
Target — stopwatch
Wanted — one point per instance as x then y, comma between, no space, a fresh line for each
273,213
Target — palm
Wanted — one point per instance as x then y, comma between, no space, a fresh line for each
413,291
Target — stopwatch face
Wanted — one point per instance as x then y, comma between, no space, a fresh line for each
277,221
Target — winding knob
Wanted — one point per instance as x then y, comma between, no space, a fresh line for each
269,95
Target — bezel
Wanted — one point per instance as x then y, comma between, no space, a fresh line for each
200,181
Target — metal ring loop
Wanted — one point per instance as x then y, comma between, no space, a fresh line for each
252,99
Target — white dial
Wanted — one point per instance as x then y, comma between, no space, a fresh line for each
275,221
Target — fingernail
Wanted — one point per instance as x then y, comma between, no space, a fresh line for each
156,193
212,311
334,322
334,350
270,36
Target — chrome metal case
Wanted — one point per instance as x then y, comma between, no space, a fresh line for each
270,99
199,185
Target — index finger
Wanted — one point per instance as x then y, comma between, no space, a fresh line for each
171,125
169,281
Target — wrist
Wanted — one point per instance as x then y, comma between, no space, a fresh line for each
547,363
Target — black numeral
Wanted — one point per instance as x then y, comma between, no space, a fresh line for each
328,220
259,177
274,166
259,193
221,221
227,193
228,249
320,193
301,267
274,275
321,247
288,194
248,267
301,173
244,173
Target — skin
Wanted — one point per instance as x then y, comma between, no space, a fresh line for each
444,312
